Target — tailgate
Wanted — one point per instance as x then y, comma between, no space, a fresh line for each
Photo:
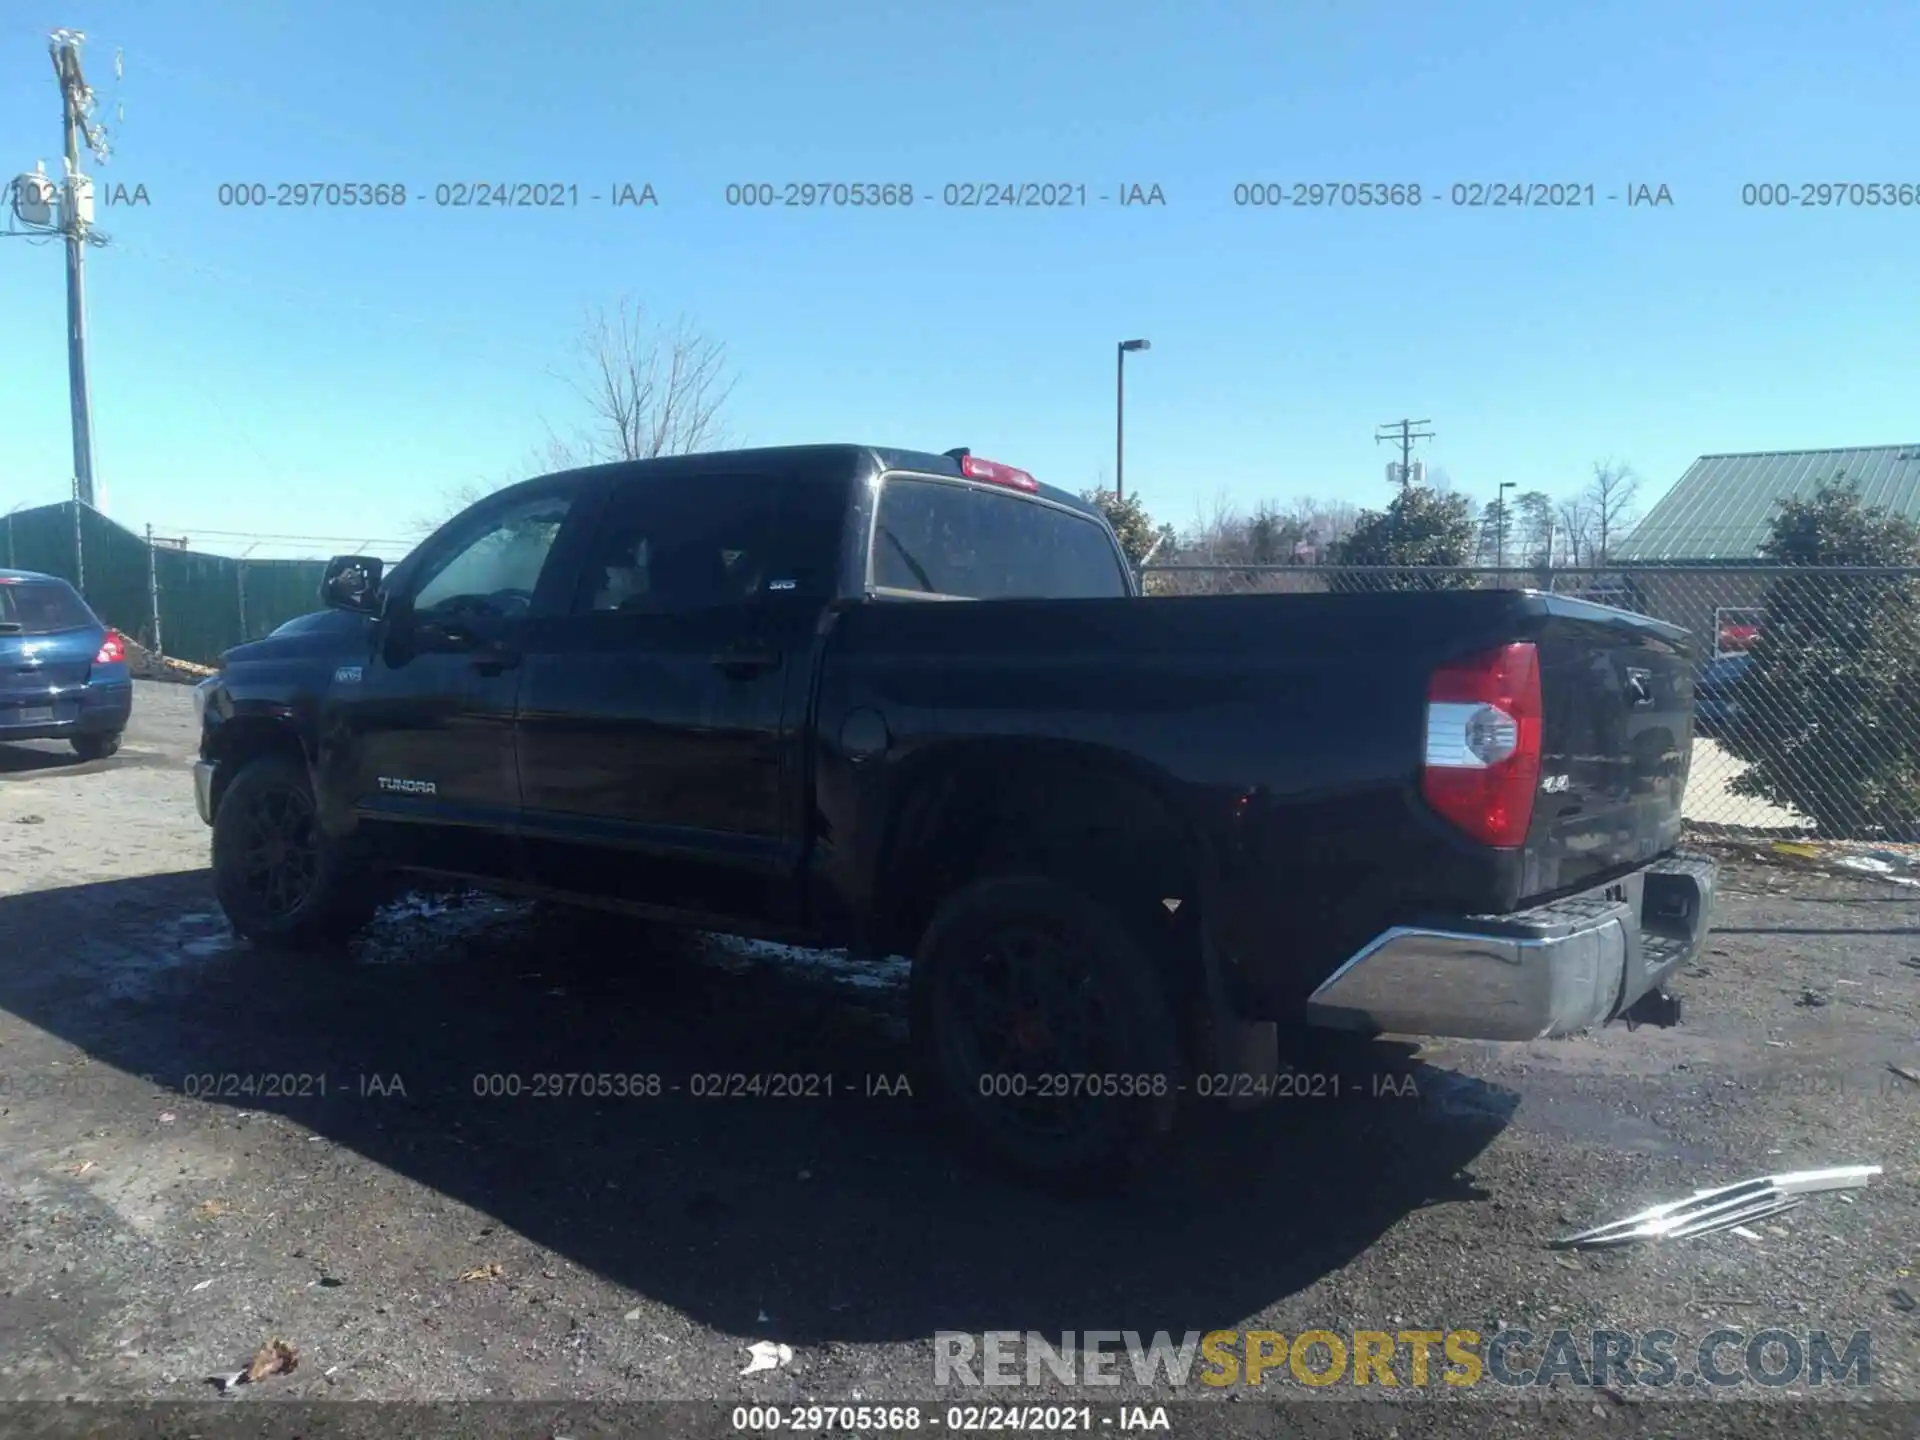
1617,733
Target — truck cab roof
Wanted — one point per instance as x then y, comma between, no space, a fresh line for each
842,457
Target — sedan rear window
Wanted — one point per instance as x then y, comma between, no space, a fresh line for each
40,607
935,537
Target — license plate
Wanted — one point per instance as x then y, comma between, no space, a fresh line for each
33,715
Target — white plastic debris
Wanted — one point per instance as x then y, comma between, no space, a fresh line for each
1721,1208
766,1355
1870,864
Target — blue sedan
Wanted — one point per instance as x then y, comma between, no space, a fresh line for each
63,674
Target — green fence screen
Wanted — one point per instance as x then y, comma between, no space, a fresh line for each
199,604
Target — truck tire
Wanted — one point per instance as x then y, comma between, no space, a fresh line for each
1042,1033
279,882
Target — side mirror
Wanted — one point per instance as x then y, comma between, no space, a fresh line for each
352,582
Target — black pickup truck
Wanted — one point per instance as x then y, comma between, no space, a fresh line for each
1122,837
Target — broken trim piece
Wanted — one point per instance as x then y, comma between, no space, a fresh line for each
1720,1208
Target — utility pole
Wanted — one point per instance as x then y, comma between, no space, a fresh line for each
1407,434
76,218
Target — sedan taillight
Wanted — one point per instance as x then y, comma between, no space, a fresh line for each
113,650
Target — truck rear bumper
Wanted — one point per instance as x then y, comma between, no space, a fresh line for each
1561,967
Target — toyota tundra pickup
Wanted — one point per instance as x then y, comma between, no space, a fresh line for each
914,703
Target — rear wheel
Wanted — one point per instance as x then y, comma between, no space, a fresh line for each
276,876
1043,1034
95,747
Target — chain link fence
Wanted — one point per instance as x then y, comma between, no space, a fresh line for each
1807,679
183,604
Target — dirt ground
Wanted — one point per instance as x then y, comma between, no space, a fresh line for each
203,1147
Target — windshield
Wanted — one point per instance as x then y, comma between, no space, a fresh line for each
938,537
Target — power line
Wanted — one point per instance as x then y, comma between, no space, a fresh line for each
259,535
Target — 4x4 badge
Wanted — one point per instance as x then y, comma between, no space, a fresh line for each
347,675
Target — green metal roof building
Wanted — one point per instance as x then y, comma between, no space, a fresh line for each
1721,508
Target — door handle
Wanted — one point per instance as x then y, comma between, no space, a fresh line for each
495,662
745,662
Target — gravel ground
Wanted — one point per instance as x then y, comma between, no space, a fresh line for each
345,1188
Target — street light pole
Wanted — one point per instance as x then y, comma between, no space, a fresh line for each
1120,415
1501,504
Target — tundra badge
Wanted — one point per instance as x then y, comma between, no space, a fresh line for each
407,787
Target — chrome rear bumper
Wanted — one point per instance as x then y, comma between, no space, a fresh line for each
1561,967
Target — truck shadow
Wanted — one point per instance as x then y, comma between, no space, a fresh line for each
842,1217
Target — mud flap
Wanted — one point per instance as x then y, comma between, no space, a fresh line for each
1230,1045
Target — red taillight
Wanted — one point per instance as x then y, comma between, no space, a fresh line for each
993,470
112,650
1482,761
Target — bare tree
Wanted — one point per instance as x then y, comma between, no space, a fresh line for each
1271,534
1576,530
554,454
1610,494
1324,522
652,390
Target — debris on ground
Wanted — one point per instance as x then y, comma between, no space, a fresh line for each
483,1272
766,1355
1897,865
144,664
1723,1207
276,1357
1905,1074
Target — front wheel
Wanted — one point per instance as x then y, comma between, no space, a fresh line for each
1042,1032
95,747
277,878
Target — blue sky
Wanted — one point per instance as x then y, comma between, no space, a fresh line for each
315,373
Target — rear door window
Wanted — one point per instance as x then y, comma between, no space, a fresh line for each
934,537
663,548
40,607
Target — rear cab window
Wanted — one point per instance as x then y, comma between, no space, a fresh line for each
937,538
42,607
